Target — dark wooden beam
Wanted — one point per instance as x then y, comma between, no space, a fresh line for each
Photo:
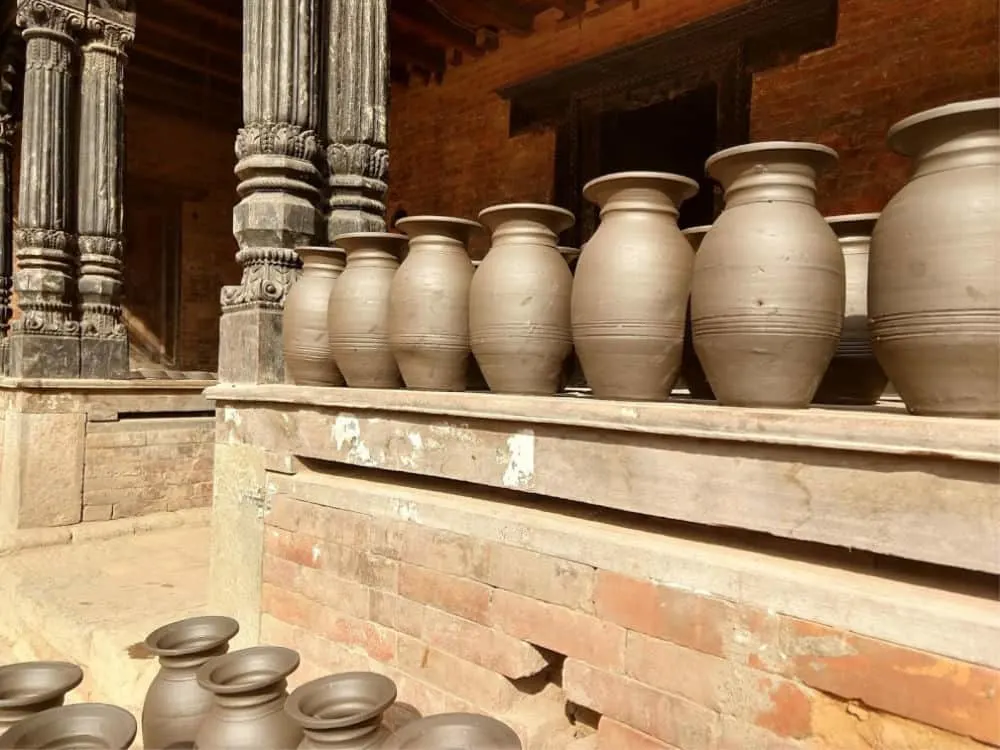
151,27
192,97
569,8
422,19
508,15
226,73
204,11
413,52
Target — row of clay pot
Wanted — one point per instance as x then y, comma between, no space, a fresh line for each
768,288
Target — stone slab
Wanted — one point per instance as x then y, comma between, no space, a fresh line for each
33,356
250,346
104,358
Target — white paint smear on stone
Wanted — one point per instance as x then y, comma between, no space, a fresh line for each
346,431
520,471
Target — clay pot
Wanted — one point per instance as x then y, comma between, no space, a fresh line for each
343,711
429,304
306,341
176,703
250,693
520,298
82,725
455,731
767,299
474,380
571,255
692,372
31,687
854,377
631,287
359,309
934,272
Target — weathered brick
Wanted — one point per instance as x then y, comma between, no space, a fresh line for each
299,548
318,521
97,512
349,597
279,572
364,567
560,629
544,577
460,596
445,551
613,735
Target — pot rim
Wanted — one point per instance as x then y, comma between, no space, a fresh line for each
124,726
67,674
457,221
848,225
228,628
488,216
700,229
320,250
653,178
822,157
904,136
391,242
283,661
419,728
293,706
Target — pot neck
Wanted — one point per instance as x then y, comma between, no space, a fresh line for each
524,232
639,200
439,243
355,737
275,691
323,269
779,182
973,148
855,244
189,662
371,258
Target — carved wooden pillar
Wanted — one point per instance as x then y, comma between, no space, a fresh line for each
11,64
357,115
45,339
100,211
277,151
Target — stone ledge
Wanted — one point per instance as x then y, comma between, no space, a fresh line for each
72,385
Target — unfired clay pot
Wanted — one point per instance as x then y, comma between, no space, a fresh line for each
175,703
854,376
571,255
359,309
343,711
691,370
250,689
572,375
474,380
306,341
82,726
767,300
31,687
934,279
631,286
429,303
457,731
520,299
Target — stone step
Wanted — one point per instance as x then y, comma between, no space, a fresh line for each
93,603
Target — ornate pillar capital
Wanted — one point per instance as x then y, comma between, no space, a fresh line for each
52,18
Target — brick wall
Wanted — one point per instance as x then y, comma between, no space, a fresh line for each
451,152
560,649
134,467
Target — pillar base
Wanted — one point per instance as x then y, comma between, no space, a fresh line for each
35,356
104,359
250,349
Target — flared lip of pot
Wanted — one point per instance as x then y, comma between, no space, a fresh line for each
419,734
853,225
55,678
455,221
271,664
192,635
908,135
392,242
560,219
320,250
596,190
67,721
820,157
380,693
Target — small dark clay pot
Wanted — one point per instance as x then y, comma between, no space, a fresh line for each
455,732
31,687
176,704
250,689
343,711
82,726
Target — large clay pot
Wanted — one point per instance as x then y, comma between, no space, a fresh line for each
343,711
175,703
691,370
34,686
429,303
519,301
458,730
359,309
306,340
250,689
767,300
934,278
571,255
854,377
631,286
474,380
82,725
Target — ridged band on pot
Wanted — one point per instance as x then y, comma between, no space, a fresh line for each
176,703
455,730
343,710
250,689
767,299
81,725
305,338
631,286
934,279
31,687
359,309
519,301
692,372
854,377
429,303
